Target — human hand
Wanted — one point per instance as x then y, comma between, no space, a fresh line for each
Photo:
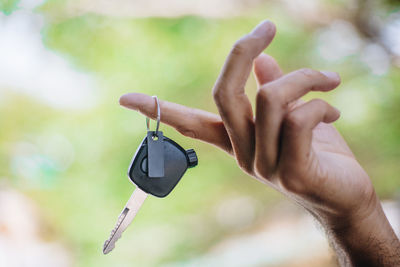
311,163
290,144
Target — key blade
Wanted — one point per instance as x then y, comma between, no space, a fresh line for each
108,245
125,218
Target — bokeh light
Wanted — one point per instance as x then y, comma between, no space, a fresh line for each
65,143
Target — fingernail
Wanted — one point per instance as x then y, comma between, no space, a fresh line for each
331,75
263,27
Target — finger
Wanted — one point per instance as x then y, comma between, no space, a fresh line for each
190,122
266,69
296,84
272,104
297,134
233,105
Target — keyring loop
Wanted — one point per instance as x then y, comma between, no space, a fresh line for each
158,116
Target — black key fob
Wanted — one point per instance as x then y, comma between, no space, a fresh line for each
175,161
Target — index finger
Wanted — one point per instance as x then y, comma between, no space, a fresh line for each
194,123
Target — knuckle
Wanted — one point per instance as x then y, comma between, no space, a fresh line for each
264,94
221,90
269,96
320,103
187,131
244,45
240,47
216,93
308,73
293,121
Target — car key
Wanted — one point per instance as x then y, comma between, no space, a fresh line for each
157,166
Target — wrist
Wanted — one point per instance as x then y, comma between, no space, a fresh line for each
362,216
365,237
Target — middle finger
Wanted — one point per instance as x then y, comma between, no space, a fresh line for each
229,95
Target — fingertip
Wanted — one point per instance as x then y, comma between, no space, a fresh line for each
131,100
262,59
123,99
334,76
337,110
265,26
333,115
266,69
269,25
338,113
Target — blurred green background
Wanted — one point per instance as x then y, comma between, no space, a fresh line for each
66,143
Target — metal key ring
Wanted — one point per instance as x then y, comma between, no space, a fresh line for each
158,116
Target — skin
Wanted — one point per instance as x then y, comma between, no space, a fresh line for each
290,145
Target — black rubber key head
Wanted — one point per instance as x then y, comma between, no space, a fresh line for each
176,162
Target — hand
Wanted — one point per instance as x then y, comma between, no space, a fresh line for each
311,163
290,144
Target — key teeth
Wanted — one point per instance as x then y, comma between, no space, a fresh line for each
133,205
106,247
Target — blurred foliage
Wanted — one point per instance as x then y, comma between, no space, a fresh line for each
393,3
177,59
7,6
